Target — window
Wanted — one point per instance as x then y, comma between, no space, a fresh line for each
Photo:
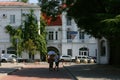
81,35
3,51
56,35
69,20
68,35
51,35
103,48
83,51
69,52
12,18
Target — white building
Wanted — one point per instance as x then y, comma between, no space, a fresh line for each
11,13
64,37
61,38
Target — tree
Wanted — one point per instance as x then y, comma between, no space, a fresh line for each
43,33
30,47
100,19
27,38
30,33
15,38
97,17
50,9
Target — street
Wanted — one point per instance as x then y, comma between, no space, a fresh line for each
38,72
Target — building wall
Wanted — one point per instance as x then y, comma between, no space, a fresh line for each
18,11
75,44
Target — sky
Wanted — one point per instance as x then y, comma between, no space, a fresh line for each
33,1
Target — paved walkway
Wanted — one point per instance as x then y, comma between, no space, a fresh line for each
34,71
77,71
93,72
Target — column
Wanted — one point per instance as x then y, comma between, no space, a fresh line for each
63,26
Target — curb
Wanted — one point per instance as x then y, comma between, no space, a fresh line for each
75,78
11,71
17,69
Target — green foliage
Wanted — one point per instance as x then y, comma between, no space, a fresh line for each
51,8
27,38
42,37
100,18
16,38
31,33
23,1
89,15
30,46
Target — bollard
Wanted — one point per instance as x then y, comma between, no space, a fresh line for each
77,61
85,61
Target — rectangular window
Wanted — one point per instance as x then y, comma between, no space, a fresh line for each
68,35
69,20
69,52
51,35
56,35
81,35
3,51
12,18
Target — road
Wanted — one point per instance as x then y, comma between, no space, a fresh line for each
38,72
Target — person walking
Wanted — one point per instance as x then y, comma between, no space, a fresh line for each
57,58
50,61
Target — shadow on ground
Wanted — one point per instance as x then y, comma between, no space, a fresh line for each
95,71
42,73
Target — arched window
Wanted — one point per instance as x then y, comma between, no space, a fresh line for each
103,48
83,51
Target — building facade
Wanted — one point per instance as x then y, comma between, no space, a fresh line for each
64,37
12,13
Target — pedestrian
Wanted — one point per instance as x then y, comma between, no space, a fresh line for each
57,59
50,61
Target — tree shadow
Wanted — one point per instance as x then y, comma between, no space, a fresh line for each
95,71
42,73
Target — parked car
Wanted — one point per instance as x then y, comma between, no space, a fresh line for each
92,58
83,59
20,59
65,58
86,59
8,57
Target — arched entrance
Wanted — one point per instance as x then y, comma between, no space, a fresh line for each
51,48
83,51
104,55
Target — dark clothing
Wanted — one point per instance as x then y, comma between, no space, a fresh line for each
50,61
57,63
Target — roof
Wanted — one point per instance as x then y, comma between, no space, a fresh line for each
57,22
13,3
50,22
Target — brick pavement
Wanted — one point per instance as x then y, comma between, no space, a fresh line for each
77,71
38,72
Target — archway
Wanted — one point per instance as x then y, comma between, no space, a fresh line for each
51,48
103,48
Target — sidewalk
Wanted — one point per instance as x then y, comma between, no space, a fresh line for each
7,68
77,71
38,71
